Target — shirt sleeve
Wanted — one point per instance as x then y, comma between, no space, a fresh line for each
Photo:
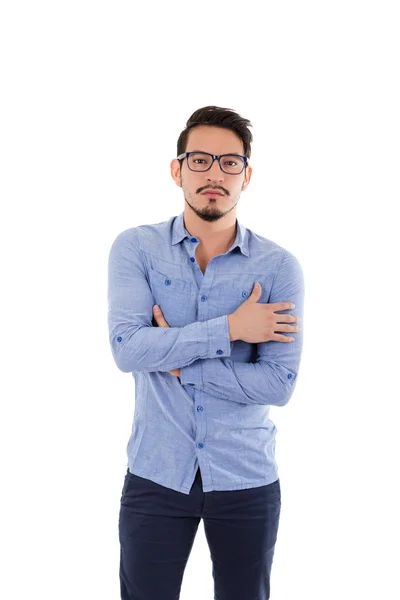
272,378
135,344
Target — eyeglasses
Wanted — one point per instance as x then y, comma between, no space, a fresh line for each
233,164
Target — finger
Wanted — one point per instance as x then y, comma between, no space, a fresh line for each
159,317
288,318
283,327
157,312
283,338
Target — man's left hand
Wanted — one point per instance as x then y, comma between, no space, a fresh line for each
161,322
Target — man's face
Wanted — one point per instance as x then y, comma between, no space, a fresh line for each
215,140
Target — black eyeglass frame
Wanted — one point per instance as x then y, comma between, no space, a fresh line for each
214,157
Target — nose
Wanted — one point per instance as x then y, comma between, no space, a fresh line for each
215,172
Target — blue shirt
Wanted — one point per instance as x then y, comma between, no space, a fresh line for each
216,416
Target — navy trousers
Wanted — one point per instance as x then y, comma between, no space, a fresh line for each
157,527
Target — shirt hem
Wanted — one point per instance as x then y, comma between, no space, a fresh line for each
209,488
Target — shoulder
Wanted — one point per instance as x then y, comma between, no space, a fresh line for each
274,253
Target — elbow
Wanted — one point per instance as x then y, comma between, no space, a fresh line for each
126,362
285,397
282,382
123,367
125,353
121,363
286,393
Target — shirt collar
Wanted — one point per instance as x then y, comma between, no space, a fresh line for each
179,232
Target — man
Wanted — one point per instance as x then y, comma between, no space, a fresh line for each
207,366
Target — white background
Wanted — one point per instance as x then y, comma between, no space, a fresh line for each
94,96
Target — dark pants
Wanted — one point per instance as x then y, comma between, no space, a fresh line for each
157,527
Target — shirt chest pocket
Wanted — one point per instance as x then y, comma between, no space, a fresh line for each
172,295
236,289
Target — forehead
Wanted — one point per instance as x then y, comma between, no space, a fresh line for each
215,140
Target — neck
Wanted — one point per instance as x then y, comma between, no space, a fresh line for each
215,238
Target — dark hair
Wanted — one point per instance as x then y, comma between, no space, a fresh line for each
215,116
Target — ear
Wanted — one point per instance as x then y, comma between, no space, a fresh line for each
247,178
176,172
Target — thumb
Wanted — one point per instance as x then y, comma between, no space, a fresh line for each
157,312
256,292
159,317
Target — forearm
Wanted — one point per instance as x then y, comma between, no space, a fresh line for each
271,379
246,383
144,348
135,344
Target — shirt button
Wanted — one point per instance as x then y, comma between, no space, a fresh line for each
244,294
200,445
193,240
167,282
199,408
289,376
203,298
219,352
119,339
192,259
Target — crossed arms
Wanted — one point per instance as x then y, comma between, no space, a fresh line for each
201,349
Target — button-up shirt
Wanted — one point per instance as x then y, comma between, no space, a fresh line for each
216,415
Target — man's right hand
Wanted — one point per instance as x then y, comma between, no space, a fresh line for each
254,322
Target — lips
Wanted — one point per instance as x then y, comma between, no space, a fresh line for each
213,192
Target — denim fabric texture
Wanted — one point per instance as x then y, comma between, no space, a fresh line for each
216,415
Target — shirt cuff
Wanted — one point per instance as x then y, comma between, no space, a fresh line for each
218,334
220,345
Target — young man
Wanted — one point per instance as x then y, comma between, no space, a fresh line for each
207,366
